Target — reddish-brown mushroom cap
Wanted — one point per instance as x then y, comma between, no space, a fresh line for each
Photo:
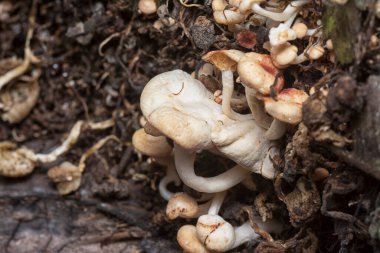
258,72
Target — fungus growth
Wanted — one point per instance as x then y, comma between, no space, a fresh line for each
198,117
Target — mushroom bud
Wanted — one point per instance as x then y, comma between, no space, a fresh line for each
316,52
67,177
216,233
181,205
283,55
147,6
225,16
300,30
188,240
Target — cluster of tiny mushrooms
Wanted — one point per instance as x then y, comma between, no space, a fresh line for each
177,106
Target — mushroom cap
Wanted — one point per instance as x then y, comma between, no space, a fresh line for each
154,146
188,240
283,55
20,99
67,176
224,59
181,205
288,107
218,5
316,52
181,108
300,29
216,233
15,162
258,72
281,34
147,6
228,17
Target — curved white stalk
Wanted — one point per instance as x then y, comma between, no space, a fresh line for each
171,176
184,162
227,92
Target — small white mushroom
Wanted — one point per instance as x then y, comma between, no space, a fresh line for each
181,205
188,240
282,33
284,55
220,236
300,30
184,206
215,233
313,52
225,16
147,6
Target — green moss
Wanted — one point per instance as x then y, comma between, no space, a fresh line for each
330,23
341,25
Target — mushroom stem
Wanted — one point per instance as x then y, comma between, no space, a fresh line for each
257,109
216,202
276,130
282,16
289,22
244,233
184,162
171,176
228,89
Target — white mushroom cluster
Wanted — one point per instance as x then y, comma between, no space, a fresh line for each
178,107
283,25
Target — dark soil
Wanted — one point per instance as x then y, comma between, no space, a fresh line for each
118,208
